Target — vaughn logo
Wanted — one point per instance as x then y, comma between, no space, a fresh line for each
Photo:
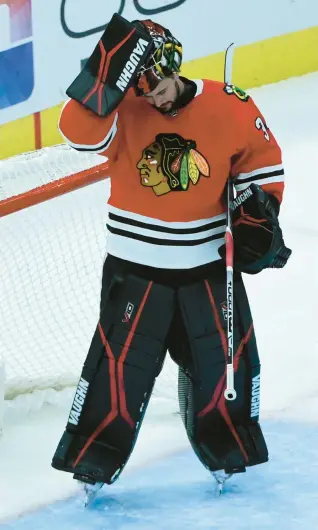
131,65
78,402
241,198
128,312
256,387
224,310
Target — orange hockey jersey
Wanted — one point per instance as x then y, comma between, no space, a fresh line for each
168,174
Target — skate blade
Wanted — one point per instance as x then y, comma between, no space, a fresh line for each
219,488
220,478
91,492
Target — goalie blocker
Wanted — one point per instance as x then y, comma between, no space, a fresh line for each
140,320
258,238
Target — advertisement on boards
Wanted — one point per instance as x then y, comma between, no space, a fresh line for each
16,60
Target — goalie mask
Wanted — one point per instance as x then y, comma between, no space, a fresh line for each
163,61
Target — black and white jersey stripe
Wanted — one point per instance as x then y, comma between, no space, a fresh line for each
264,175
100,146
162,244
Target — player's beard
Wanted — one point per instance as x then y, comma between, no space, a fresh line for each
171,108
181,100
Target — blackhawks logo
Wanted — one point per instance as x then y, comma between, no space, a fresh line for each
171,163
238,92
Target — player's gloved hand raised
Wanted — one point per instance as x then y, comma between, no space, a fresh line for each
258,238
112,68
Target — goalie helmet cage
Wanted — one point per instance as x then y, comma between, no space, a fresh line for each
53,211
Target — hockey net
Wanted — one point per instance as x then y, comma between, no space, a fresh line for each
53,209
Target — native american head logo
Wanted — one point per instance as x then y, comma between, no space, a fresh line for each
171,163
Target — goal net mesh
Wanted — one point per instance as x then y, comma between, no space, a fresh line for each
51,261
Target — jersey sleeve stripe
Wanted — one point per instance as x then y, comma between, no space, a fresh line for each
262,176
277,169
100,146
261,180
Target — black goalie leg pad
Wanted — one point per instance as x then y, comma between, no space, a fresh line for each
124,359
224,434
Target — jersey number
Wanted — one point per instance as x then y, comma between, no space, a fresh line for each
261,126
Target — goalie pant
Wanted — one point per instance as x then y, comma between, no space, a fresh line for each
141,320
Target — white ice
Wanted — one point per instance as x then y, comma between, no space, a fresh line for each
164,486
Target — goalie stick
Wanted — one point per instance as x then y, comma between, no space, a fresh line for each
229,392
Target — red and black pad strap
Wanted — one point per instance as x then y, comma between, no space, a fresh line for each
112,68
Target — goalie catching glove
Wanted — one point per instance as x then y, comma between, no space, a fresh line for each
258,238
113,66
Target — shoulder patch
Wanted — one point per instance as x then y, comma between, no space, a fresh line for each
238,92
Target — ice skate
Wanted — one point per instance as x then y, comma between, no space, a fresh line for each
221,477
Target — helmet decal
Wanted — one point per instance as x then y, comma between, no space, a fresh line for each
165,59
